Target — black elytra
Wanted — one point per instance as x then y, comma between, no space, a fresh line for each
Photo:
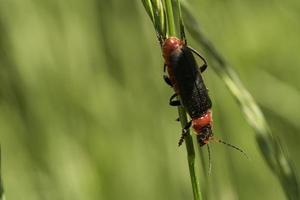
190,84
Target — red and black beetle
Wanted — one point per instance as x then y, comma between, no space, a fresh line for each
185,77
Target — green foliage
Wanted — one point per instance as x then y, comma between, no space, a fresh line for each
84,112
156,13
271,150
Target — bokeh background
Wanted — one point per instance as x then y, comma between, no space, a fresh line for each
84,111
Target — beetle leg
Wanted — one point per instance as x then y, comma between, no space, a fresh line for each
173,102
184,133
167,80
204,66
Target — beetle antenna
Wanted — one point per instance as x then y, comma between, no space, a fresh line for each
232,146
209,160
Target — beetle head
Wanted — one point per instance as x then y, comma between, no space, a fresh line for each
205,135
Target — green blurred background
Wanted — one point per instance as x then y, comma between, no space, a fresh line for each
84,109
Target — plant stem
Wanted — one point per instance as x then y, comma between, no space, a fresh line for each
190,156
1,185
170,18
182,114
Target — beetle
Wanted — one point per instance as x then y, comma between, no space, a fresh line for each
185,77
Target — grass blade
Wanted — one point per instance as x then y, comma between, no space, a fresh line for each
1,183
149,9
270,148
155,11
181,112
160,22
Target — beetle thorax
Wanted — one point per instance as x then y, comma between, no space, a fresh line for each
171,45
204,120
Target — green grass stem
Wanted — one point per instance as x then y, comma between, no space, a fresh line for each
170,18
1,183
151,8
182,114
